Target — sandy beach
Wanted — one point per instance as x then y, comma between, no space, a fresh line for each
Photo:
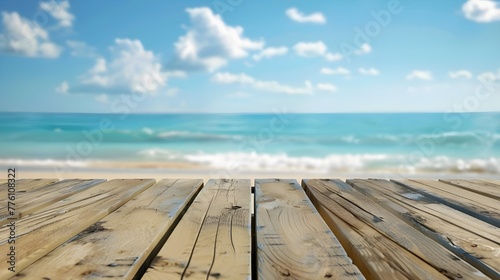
129,170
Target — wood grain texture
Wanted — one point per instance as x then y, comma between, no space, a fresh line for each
394,228
477,186
494,182
37,199
213,239
123,240
472,240
377,256
24,185
40,233
476,205
293,241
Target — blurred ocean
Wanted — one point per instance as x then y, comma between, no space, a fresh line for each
406,143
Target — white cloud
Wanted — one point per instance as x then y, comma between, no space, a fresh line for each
326,87
271,86
79,48
481,10
26,38
59,11
63,88
102,98
488,76
369,71
419,75
295,15
210,43
337,71
333,56
315,49
270,52
131,69
460,74
310,49
364,49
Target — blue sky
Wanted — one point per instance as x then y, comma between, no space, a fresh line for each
250,56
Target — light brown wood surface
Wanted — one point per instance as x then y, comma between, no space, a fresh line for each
477,186
293,241
24,185
377,256
398,231
123,241
36,199
481,207
40,233
213,239
469,238
495,182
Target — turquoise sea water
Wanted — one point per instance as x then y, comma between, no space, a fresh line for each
413,143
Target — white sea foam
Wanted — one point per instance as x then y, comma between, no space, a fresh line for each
344,163
42,162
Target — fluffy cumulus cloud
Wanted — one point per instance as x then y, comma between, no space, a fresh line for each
270,52
481,10
209,43
270,86
419,75
131,69
315,49
26,38
337,71
295,15
364,49
465,74
369,71
326,87
59,11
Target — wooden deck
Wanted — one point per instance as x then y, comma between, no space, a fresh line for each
251,229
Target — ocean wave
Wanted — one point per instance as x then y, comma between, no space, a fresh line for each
460,139
147,134
345,163
195,136
330,164
42,162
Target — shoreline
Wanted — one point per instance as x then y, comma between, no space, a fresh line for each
170,170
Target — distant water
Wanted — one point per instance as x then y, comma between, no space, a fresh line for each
408,143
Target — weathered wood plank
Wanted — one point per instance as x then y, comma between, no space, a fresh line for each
128,236
29,202
480,187
463,235
377,256
293,241
24,185
403,234
494,182
476,205
213,239
40,233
